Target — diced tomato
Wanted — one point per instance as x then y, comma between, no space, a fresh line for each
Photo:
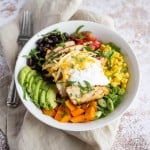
92,46
88,36
91,38
97,44
80,41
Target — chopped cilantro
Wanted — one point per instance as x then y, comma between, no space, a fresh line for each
60,100
61,44
70,83
108,54
114,46
78,29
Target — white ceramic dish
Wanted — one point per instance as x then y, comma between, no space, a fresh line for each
105,35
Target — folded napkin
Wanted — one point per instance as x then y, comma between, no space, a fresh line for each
25,132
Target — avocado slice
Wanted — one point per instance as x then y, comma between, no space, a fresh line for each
44,88
23,74
30,82
34,84
37,92
43,103
29,75
51,96
29,87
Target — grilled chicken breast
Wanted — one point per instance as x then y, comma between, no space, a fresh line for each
75,95
61,89
60,48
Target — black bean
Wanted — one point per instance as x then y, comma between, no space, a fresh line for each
50,41
41,48
47,45
42,44
44,50
45,39
66,35
39,41
33,66
29,62
38,68
56,40
44,71
52,36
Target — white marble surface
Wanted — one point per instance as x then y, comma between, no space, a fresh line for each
132,21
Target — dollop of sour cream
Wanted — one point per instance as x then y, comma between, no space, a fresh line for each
94,74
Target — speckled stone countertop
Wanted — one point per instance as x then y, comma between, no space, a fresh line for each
132,21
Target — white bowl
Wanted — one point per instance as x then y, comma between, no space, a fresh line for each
105,35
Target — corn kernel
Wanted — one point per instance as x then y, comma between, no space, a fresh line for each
116,54
124,80
116,61
110,79
120,59
124,86
103,46
120,63
126,75
107,48
116,80
114,84
116,68
124,64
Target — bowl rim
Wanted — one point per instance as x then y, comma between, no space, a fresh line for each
59,125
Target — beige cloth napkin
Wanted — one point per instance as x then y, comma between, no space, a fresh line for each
25,132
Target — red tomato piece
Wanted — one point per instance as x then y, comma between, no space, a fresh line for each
89,36
97,44
92,46
80,42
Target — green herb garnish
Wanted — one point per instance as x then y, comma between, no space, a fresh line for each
88,86
124,69
97,52
78,29
108,54
33,53
61,101
61,45
114,46
51,56
115,94
80,36
64,114
26,56
56,31
70,83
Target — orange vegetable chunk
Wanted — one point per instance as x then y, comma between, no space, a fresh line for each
50,112
84,106
66,118
94,104
70,105
78,119
90,113
59,113
77,112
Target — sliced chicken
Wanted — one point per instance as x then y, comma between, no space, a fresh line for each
67,44
65,50
61,89
77,97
